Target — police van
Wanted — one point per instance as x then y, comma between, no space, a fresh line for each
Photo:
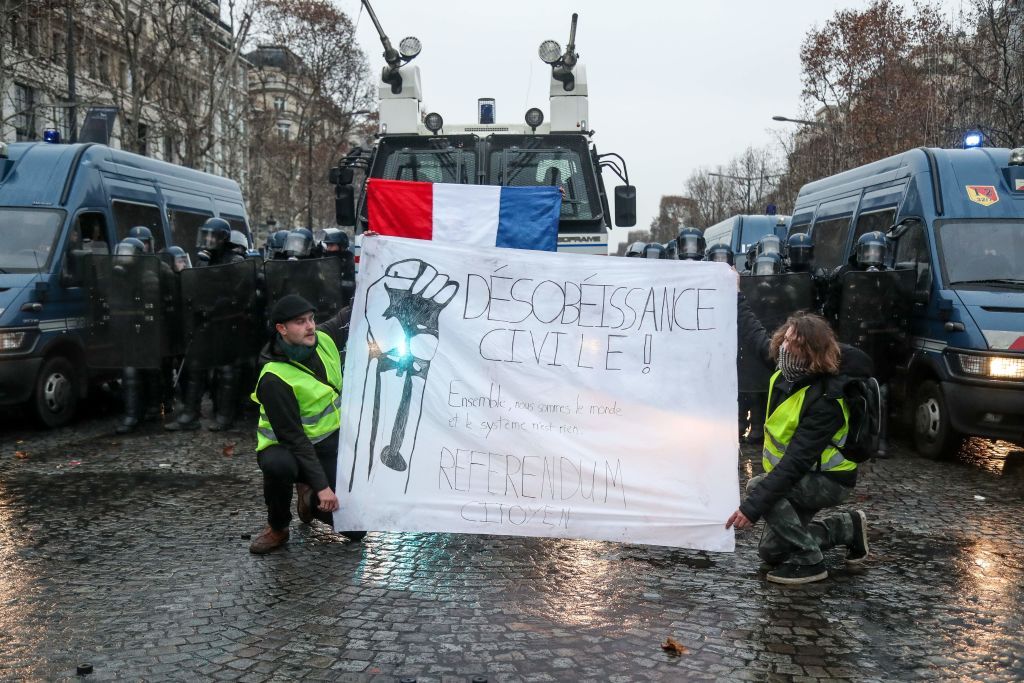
741,232
57,201
559,152
956,217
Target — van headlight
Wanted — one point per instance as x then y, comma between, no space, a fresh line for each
996,367
12,341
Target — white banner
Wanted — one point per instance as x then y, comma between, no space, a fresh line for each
500,391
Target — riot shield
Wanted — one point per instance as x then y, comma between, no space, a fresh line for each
874,315
318,281
126,323
772,298
219,312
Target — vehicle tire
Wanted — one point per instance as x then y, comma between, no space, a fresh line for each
934,436
55,398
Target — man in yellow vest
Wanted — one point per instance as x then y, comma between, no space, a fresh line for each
805,472
299,394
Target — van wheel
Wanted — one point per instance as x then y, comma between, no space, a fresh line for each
56,395
934,437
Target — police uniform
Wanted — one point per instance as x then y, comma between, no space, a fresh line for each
299,420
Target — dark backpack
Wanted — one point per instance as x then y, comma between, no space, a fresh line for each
857,385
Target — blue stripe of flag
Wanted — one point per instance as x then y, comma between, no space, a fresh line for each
528,218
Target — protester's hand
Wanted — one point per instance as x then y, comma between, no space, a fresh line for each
738,520
370,233
328,501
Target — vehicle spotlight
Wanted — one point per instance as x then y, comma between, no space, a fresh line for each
1017,157
973,138
409,47
433,122
550,51
534,117
51,135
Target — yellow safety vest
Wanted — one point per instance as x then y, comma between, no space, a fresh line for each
782,423
319,403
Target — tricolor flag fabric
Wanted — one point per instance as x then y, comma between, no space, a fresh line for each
481,215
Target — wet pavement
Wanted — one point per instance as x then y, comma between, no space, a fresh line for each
128,553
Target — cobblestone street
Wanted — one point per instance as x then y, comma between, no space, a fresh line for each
130,554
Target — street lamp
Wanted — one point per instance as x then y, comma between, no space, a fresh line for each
805,122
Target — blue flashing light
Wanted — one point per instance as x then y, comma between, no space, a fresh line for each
52,136
771,210
973,138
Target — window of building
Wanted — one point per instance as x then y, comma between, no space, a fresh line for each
278,103
127,215
24,112
284,130
32,37
103,66
170,147
124,76
57,47
141,142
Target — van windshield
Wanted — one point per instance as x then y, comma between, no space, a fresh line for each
28,238
982,252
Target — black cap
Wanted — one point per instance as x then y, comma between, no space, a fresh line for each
288,307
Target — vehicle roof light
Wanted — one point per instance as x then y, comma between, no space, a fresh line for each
550,51
534,117
409,47
973,138
1017,157
433,122
52,136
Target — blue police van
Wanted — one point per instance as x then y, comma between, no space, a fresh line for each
955,216
55,202
740,232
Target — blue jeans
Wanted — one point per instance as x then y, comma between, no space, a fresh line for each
791,533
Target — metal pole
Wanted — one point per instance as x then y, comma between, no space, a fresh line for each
69,21
309,179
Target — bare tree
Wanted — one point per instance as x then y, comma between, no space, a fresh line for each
674,213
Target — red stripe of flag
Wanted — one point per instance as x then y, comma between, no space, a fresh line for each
400,208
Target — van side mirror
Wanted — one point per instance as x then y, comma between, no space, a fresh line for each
625,206
345,205
898,230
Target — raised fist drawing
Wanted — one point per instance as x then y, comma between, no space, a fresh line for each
402,311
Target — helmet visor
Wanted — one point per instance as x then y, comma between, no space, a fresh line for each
297,244
769,245
209,239
690,245
871,254
766,266
719,256
182,262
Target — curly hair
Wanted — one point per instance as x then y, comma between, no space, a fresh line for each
814,342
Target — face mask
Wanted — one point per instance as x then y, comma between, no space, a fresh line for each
299,353
791,369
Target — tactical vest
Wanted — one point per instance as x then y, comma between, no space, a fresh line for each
319,403
782,423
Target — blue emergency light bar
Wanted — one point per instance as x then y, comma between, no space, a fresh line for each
973,138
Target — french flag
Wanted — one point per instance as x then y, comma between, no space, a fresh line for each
482,215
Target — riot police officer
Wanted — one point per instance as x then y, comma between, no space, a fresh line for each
671,250
691,244
636,249
213,242
654,250
144,235
238,243
871,252
299,244
767,264
719,253
275,245
180,260
800,252
140,394
336,244
769,244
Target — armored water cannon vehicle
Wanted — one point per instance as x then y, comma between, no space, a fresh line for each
414,146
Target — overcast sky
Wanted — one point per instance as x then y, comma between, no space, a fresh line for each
673,86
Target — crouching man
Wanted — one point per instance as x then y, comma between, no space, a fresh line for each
299,394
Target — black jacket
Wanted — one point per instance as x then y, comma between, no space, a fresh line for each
820,419
282,409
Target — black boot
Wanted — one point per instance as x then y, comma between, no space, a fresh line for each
188,418
131,393
227,398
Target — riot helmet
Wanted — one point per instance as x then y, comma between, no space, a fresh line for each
691,244
144,235
213,234
655,250
719,253
871,251
239,242
636,249
767,264
181,259
769,244
275,245
336,241
671,250
298,244
126,250
800,248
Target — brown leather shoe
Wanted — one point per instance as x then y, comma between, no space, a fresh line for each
302,492
269,539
